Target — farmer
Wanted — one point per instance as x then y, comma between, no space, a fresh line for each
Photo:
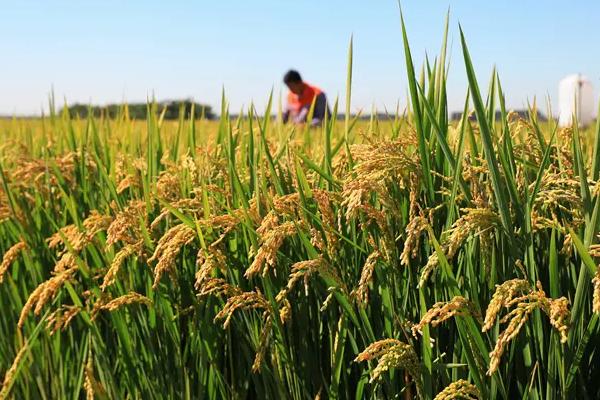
300,99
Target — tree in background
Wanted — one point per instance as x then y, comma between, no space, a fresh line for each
172,110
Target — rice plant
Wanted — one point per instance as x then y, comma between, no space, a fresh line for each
412,257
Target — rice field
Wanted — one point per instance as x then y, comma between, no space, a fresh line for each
411,257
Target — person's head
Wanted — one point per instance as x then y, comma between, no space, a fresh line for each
293,81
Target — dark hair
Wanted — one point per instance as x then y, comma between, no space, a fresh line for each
292,76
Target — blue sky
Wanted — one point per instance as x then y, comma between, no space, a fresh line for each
107,51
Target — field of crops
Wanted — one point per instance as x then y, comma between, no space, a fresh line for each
242,258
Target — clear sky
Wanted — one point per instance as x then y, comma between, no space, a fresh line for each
108,51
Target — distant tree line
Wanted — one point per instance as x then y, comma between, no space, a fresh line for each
171,109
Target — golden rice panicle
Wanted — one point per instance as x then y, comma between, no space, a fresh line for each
126,182
127,299
65,262
168,186
126,225
188,164
375,216
206,262
596,299
502,296
268,223
328,300
516,319
325,200
443,310
226,222
317,239
376,349
386,159
285,311
286,204
10,256
366,276
61,318
301,270
460,389
376,165
556,309
111,275
305,270
100,300
392,353
63,271
414,229
428,269
265,336
266,256
558,203
70,235
594,249
11,374
168,248
218,287
353,199
243,301
474,221
44,293
120,166
472,174
90,384
560,317
94,223
190,205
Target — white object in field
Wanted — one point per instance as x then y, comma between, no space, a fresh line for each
575,97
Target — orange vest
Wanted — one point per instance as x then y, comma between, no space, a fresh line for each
305,99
